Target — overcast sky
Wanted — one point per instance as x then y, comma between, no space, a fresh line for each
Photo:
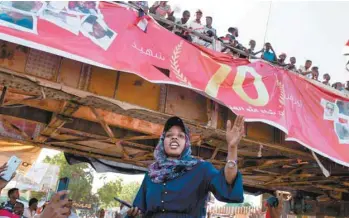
315,30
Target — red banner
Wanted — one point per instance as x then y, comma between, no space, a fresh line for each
106,35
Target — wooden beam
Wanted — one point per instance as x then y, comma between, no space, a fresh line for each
268,164
330,188
346,183
307,182
286,175
78,140
109,131
141,147
137,145
99,139
214,154
76,151
3,95
20,101
14,128
58,120
103,123
266,172
279,147
142,137
143,156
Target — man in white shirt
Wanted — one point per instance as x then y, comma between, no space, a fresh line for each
31,210
306,69
197,26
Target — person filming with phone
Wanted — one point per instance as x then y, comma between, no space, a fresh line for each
177,184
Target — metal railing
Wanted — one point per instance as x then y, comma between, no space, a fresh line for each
192,32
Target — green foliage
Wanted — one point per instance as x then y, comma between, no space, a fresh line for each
129,191
126,192
107,193
80,185
80,176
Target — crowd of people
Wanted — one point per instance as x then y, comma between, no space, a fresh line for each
185,28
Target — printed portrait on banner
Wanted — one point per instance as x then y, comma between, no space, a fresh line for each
29,7
84,7
15,19
97,30
62,19
338,112
73,16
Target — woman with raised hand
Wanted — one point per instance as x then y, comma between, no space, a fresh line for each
177,184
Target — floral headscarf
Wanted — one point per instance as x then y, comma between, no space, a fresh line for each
164,169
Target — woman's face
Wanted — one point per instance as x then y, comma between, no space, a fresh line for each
174,142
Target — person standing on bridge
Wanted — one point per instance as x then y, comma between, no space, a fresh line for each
177,184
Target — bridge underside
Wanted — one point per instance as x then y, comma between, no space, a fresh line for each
51,115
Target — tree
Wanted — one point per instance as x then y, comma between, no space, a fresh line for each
129,192
80,176
108,192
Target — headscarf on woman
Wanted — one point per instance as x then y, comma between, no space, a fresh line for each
165,169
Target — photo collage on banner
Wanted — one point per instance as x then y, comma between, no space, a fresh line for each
338,112
73,16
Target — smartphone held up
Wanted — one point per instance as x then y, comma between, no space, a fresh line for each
12,165
63,184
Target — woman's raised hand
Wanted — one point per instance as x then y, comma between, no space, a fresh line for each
235,133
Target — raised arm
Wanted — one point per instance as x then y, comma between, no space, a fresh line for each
256,53
306,73
233,137
275,55
226,184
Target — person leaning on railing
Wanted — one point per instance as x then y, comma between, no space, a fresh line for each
306,69
326,77
162,9
182,24
141,4
269,54
292,65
